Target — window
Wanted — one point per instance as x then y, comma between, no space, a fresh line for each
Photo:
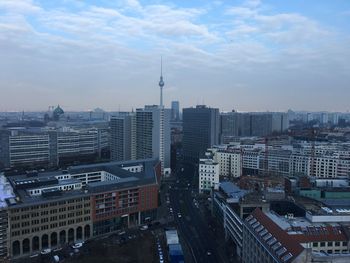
44,213
315,244
323,244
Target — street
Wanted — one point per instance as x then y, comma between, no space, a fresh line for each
191,220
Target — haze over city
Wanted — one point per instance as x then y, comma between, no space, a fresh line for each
248,55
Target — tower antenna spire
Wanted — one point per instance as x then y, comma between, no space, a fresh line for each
161,82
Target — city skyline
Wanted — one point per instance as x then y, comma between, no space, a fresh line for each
244,55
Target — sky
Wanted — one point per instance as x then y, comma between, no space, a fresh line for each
248,55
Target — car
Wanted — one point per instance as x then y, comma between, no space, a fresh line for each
121,233
208,253
56,258
145,227
179,215
45,251
77,245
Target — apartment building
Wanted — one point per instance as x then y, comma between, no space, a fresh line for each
236,159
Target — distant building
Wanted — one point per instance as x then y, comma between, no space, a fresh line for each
50,147
123,137
57,113
200,131
175,111
252,123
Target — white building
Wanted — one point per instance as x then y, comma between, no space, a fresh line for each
329,161
209,171
229,162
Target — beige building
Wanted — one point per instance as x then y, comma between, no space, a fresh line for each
49,224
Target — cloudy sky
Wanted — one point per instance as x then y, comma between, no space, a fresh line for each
249,55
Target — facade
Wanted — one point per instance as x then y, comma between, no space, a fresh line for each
25,149
123,137
151,123
175,111
81,142
48,148
252,123
208,171
200,131
6,191
229,162
53,209
286,160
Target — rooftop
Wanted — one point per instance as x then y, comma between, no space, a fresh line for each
232,191
126,179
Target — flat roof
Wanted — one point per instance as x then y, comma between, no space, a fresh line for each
126,179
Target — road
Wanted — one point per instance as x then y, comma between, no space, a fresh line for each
192,224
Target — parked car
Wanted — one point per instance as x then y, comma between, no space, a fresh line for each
144,227
77,245
45,251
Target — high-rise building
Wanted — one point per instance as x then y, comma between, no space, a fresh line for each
175,110
151,123
200,131
123,142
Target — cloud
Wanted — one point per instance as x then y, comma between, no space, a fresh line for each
243,12
19,6
99,54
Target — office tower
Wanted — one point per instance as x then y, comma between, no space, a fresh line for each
123,137
200,131
175,111
149,128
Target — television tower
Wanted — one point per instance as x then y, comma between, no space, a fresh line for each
161,119
161,83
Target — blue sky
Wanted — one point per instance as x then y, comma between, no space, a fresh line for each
248,55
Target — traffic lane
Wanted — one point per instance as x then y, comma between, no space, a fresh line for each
202,229
199,242
189,233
